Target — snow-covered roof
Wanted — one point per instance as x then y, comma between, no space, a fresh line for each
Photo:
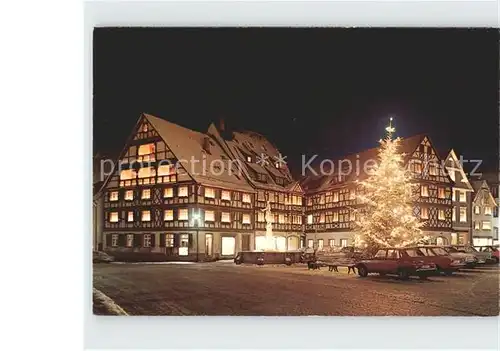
243,143
187,144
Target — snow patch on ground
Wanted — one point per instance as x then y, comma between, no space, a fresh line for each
100,299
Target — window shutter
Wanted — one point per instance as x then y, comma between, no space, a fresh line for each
162,240
108,240
190,240
137,240
153,240
176,240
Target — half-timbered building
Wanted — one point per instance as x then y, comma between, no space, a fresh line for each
462,195
263,167
483,207
331,199
175,195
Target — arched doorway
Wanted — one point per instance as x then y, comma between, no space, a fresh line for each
293,243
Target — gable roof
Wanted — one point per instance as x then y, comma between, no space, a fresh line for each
479,187
452,161
187,144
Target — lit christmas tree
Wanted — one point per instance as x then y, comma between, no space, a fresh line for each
386,216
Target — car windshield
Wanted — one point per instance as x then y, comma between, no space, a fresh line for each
427,251
414,252
380,253
438,251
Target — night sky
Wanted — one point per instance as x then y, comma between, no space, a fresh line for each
314,91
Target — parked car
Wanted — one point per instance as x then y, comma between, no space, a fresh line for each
482,257
470,259
101,257
445,263
404,262
492,249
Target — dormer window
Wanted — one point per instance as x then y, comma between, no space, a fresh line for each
249,158
261,177
277,165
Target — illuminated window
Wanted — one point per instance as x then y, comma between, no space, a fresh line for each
281,218
331,242
463,197
335,216
114,240
127,174
209,216
417,166
343,242
246,218
476,225
296,200
113,196
146,152
433,170
309,219
246,198
260,217
130,240
486,225
144,128
165,170
487,210
463,214
146,194
352,216
441,193
168,215
322,199
453,215
147,240
453,196
322,218
335,196
130,216
146,216
183,214
441,216
424,190
113,217
249,159
310,243
477,210
183,191
210,193
320,243
225,195
225,217
129,195
424,213
168,192
169,240
146,172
